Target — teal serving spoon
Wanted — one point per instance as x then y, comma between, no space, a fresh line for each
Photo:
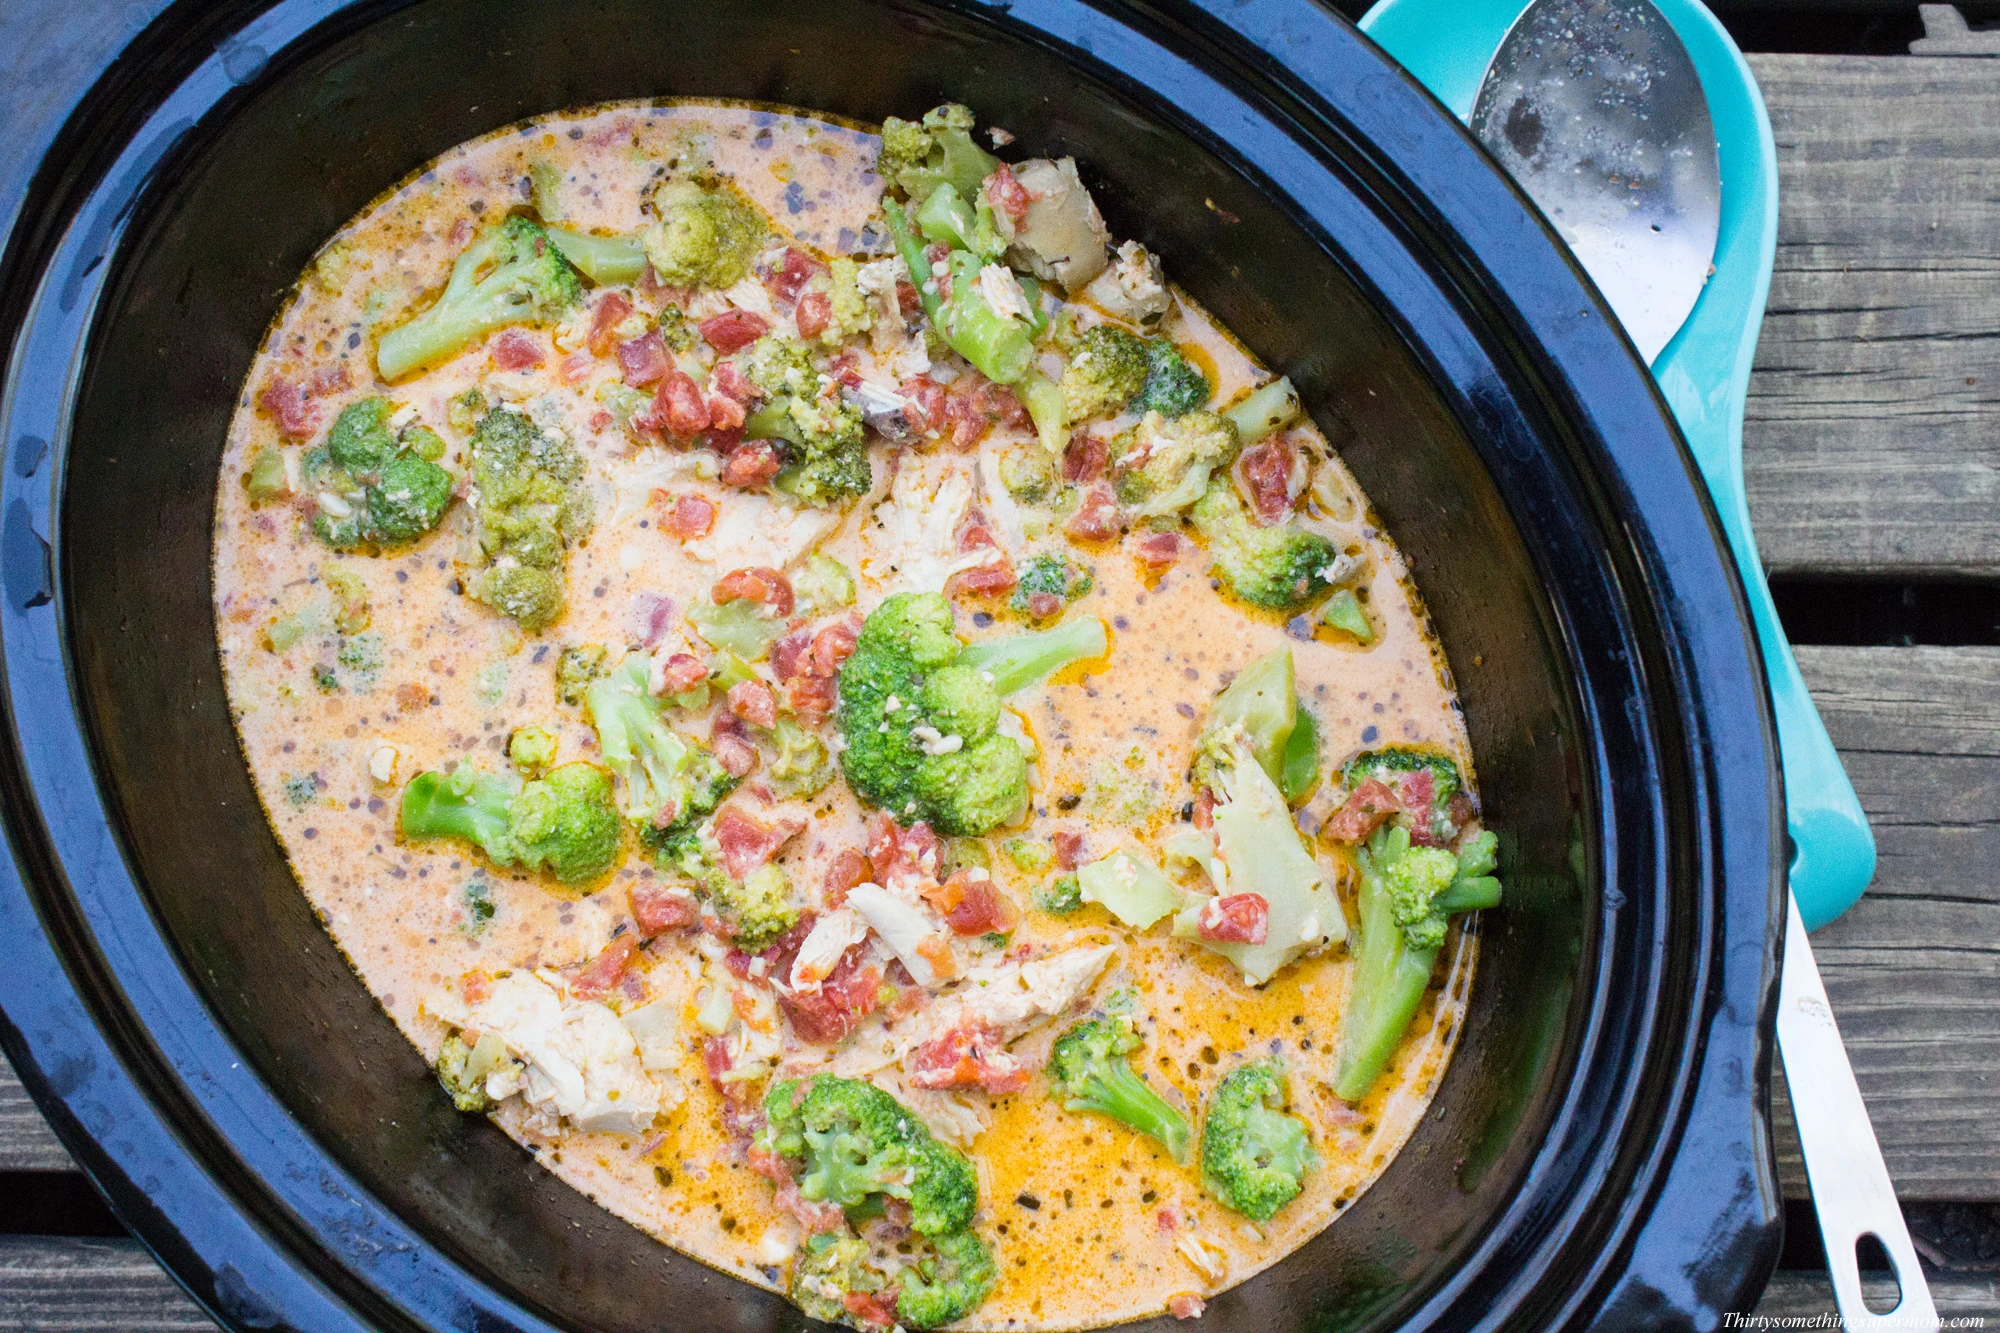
1637,128
1704,373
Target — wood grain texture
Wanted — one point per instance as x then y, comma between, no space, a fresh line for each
26,1143
1911,969
1794,1292
1868,444
90,1286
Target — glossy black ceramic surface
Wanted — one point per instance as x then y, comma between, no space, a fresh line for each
1598,1154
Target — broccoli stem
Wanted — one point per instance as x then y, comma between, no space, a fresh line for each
1043,398
1389,976
1270,407
1263,700
608,261
1299,770
1114,1090
999,345
1019,661
948,219
911,248
1343,611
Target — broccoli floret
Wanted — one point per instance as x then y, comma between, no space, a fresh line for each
510,274
848,313
1109,367
1260,846
801,767
531,504
1163,465
1282,567
1088,1072
705,235
930,752
532,750
948,1281
579,665
826,1269
756,909
1061,896
565,822
917,157
823,585
1254,1157
265,478
369,490
1409,772
677,847
649,757
1407,895
1049,575
820,436
850,1141
1174,387
467,1092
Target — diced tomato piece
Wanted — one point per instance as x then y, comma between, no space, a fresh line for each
1042,605
517,349
1240,918
973,1056
902,856
813,313
760,584
908,300
1084,458
476,986
1271,481
996,575
923,404
873,1309
644,360
601,420
832,646
789,654
1096,519
725,413
687,517
753,701
974,906
812,698
734,752
575,367
330,378
680,673
659,909
793,272
847,869
679,406
1204,808
1186,1305
460,233
288,406
849,994
1008,195
751,465
1069,848
1370,806
602,974
1157,551
728,378
733,330
747,842
605,317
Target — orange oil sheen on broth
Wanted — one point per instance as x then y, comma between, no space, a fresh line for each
1087,1220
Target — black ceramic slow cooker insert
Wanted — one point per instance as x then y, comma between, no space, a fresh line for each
1598,1154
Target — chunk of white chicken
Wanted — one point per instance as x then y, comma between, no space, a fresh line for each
1061,236
910,929
913,544
832,935
1015,998
752,529
578,1061
1132,289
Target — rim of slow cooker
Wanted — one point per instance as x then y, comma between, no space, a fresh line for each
185,1152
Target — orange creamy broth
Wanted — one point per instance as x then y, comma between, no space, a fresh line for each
1087,1220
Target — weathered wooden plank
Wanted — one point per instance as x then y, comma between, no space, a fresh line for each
1798,1292
1911,968
26,1144
1868,445
90,1286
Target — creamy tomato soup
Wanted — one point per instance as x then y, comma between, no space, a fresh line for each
847,714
